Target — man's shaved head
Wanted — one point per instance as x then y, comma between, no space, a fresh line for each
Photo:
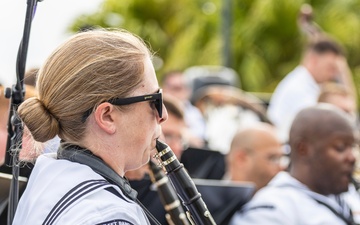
255,154
316,123
322,141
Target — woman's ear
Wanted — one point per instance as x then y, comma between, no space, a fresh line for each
104,117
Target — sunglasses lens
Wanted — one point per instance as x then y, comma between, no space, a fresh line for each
158,104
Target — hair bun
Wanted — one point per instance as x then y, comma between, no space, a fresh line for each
41,123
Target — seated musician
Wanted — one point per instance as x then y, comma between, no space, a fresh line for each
255,155
322,162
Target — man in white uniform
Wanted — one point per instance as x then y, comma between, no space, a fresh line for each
323,61
322,163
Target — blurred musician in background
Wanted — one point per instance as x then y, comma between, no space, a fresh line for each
322,142
323,61
255,155
175,131
175,84
338,95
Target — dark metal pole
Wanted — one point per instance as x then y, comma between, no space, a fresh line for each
226,17
15,128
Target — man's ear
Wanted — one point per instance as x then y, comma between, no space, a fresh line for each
242,155
302,148
104,117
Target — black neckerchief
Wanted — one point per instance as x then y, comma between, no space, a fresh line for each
83,156
86,157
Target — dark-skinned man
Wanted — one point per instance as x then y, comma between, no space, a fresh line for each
322,162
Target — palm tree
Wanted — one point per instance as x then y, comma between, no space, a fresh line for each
265,41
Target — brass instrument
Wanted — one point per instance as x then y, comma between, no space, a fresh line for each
197,210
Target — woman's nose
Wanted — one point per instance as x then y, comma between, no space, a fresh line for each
164,115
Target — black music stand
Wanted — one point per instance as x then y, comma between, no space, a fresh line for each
204,163
223,198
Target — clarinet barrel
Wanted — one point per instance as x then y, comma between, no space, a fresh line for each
197,210
168,197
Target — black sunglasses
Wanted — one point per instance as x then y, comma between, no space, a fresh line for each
156,98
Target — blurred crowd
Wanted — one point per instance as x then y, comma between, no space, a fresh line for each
299,149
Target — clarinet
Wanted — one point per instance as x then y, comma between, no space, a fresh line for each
175,213
197,210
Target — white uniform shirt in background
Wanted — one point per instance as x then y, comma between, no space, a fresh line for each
286,201
296,91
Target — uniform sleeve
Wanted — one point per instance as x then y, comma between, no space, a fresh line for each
267,208
259,215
